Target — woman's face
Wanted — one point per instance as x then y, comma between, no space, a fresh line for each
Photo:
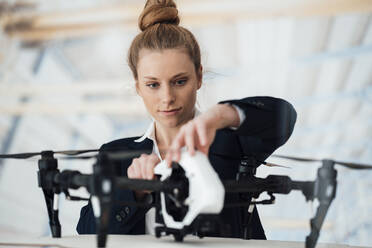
167,82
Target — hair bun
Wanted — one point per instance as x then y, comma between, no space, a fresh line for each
158,11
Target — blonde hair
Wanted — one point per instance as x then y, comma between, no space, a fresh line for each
159,23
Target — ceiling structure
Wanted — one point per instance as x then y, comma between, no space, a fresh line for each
64,83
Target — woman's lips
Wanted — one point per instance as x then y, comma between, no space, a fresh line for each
170,112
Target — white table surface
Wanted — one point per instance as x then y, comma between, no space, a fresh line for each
116,241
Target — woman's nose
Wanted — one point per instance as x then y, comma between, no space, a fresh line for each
167,95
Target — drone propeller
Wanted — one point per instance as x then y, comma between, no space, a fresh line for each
70,154
19,155
33,154
76,158
355,165
296,158
345,164
113,155
75,152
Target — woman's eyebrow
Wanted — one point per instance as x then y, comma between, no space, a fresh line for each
179,74
152,78
175,76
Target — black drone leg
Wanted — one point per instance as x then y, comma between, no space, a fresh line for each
103,223
48,169
316,224
54,224
178,237
326,185
248,216
157,232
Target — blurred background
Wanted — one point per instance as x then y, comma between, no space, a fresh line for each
65,84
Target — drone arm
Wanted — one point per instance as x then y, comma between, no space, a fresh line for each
271,184
141,184
307,188
68,179
325,192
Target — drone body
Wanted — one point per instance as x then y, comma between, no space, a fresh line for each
204,195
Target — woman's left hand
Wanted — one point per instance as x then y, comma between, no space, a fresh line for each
199,133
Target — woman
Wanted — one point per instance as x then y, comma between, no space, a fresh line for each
165,61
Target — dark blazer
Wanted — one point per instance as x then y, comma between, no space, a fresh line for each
268,124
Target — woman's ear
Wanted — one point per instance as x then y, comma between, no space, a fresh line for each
200,76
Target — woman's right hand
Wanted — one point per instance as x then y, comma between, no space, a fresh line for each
143,168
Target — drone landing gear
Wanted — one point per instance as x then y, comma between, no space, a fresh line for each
47,170
203,226
177,234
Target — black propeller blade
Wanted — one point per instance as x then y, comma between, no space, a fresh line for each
296,158
113,155
19,155
33,154
345,164
355,165
75,152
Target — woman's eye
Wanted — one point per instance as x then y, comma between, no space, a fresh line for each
152,85
180,82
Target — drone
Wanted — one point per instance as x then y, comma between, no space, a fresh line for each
183,204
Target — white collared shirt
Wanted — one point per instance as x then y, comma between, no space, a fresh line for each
150,134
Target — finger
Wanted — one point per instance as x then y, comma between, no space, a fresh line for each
152,162
130,172
202,134
149,171
137,170
189,138
168,158
139,165
204,145
176,152
143,165
178,143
